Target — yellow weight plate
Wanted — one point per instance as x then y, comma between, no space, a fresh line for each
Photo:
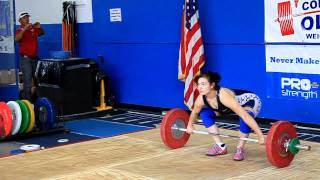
32,116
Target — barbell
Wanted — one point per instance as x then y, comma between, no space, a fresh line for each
285,17
282,143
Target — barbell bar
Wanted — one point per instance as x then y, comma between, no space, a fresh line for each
298,146
304,128
210,133
281,142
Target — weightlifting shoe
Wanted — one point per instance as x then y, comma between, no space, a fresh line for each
239,154
216,150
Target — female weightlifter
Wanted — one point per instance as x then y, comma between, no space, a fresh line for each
215,101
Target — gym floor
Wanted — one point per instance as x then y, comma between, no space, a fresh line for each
127,145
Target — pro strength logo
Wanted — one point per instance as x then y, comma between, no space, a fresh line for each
299,88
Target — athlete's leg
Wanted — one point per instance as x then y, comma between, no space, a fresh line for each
219,148
207,115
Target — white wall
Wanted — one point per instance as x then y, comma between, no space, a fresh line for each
50,11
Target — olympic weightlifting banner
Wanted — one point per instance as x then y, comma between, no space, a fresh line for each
292,21
293,72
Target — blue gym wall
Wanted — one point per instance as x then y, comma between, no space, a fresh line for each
141,52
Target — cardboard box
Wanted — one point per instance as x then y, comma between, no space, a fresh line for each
7,76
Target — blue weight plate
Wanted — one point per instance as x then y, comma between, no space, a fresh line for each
43,114
52,119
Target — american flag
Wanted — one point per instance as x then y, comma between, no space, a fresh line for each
191,54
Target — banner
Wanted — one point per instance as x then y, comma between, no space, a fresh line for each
304,87
303,59
6,27
292,21
293,72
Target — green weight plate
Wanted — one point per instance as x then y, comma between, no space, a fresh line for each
25,117
292,146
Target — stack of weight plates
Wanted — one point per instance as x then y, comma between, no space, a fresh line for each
23,117
20,117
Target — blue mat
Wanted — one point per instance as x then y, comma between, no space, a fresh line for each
101,128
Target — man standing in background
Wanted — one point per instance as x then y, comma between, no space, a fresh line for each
27,36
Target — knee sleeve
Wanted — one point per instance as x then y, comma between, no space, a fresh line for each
207,116
244,128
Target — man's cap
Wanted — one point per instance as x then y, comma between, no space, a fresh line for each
23,14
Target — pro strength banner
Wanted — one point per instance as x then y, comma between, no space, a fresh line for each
293,72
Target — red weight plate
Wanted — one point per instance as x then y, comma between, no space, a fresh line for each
174,138
6,114
279,133
2,131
